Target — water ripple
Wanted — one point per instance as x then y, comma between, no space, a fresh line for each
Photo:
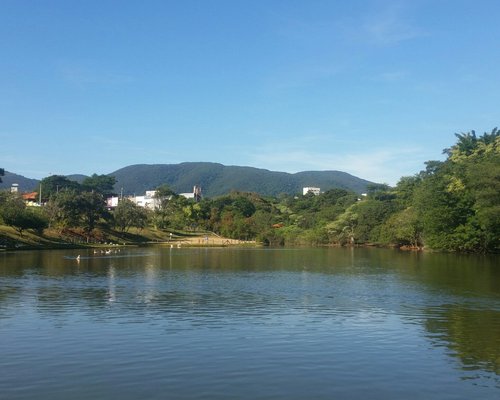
242,324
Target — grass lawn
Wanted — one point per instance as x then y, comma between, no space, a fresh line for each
11,239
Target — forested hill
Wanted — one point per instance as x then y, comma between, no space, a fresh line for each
25,184
217,179
214,179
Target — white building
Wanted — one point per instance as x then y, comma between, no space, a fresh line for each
314,190
149,200
195,195
112,202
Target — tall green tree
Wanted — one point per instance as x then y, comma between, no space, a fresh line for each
443,205
56,183
403,228
484,179
458,200
63,209
15,214
343,230
164,206
372,214
127,214
102,184
92,208
405,190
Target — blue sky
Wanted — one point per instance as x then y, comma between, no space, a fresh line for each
373,88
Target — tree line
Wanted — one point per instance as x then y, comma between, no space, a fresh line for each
452,205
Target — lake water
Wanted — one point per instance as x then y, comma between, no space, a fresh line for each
193,323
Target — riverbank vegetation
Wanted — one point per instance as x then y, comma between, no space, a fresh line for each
453,205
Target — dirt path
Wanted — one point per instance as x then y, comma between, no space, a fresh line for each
212,240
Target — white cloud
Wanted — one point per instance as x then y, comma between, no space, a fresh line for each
377,164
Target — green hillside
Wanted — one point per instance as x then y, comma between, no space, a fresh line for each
25,184
217,179
214,179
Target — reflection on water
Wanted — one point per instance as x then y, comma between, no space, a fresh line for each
464,332
249,323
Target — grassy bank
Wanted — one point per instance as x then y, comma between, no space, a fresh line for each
10,239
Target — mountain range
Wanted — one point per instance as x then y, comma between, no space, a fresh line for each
215,179
25,184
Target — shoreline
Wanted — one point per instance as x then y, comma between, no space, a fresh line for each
11,241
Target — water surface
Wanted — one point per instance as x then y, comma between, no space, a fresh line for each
156,323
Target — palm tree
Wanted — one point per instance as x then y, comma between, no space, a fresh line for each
467,142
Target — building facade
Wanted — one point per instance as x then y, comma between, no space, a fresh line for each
314,190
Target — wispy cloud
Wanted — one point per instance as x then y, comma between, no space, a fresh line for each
303,75
90,73
382,164
45,166
120,152
376,164
391,76
336,43
385,26
391,26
